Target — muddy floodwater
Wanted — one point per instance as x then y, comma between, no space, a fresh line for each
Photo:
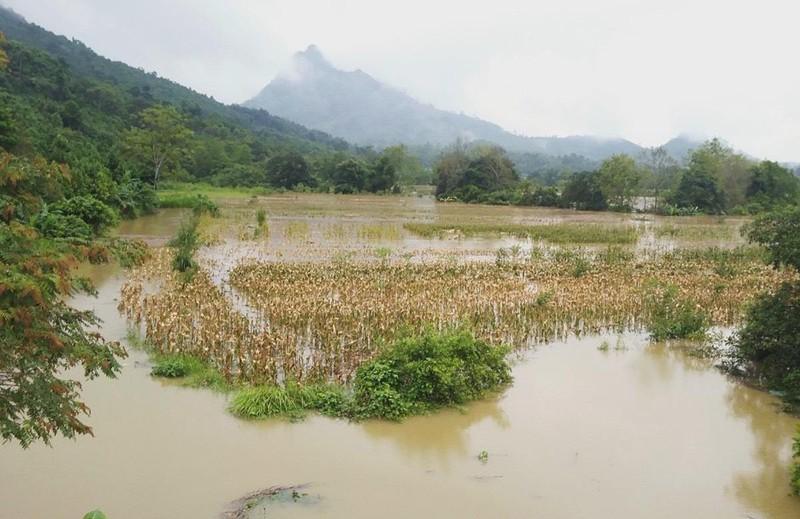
633,430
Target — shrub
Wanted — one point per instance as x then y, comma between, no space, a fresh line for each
186,243
424,372
671,317
95,213
57,225
770,339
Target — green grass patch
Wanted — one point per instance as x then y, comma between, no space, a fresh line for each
198,203
292,401
213,192
189,370
554,233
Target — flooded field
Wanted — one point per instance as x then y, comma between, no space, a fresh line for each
627,430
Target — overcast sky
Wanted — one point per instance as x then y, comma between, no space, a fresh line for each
641,69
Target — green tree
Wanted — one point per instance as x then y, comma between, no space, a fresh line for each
161,139
382,175
287,170
41,335
410,170
582,191
698,190
350,176
663,171
772,185
730,170
449,168
619,178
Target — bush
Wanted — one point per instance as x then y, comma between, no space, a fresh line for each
57,225
186,243
671,317
428,371
769,341
95,213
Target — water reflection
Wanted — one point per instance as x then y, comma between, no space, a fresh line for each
441,436
765,485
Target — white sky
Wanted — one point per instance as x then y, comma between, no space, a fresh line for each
645,70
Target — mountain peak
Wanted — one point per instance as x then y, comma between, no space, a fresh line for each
313,56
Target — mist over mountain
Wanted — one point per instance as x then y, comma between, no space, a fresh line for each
356,107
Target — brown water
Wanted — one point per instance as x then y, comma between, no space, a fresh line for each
643,431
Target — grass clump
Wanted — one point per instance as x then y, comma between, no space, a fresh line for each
198,203
191,371
291,401
554,233
673,317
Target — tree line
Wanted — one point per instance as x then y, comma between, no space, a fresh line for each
715,180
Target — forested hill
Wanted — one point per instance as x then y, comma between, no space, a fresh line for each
84,62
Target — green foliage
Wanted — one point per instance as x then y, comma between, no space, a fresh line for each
779,233
466,175
160,140
698,191
129,253
414,375
189,371
771,186
350,176
42,337
57,225
383,176
769,341
291,401
186,242
197,202
95,213
583,192
673,317
95,514
288,170
619,178
421,373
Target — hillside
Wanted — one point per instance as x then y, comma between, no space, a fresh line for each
84,62
356,107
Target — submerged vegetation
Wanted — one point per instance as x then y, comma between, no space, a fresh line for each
577,233
311,321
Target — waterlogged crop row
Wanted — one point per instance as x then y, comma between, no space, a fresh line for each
320,321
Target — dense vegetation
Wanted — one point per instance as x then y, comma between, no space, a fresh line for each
768,345
715,180
416,374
